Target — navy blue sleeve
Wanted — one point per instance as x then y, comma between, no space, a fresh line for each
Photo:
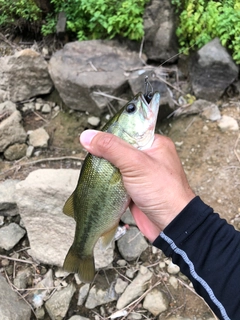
207,250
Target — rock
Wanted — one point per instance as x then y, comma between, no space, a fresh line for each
82,68
58,304
22,278
173,268
102,291
10,235
39,138
28,106
7,106
38,296
40,198
15,151
94,121
78,318
127,218
212,70
227,123
1,221
212,113
173,282
136,288
24,75
83,292
11,307
156,302
120,286
29,152
38,106
8,205
46,108
132,244
160,41
11,130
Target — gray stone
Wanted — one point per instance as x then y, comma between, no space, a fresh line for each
78,318
160,41
1,221
22,278
136,288
46,108
173,268
212,70
58,304
10,235
127,218
7,106
132,244
29,152
8,205
82,68
207,109
39,295
40,198
38,106
94,121
156,302
11,307
24,75
39,138
11,130
120,286
83,292
227,123
15,151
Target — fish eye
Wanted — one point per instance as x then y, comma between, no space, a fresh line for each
130,108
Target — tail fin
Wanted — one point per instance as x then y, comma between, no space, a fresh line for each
84,266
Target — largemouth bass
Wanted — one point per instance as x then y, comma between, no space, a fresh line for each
100,198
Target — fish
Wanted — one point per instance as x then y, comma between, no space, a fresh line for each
100,198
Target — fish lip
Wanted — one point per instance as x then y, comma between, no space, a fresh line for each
145,101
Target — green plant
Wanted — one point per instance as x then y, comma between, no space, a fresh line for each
200,21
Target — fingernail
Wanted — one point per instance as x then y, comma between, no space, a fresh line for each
87,136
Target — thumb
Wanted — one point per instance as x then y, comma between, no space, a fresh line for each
108,146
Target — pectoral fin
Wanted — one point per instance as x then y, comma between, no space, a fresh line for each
68,208
108,236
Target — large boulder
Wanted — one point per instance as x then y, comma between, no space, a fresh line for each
160,41
82,68
23,75
212,70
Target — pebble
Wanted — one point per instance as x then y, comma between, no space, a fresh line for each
39,138
173,268
120,286
156,302
58,304
121,262
99,296
127,218
10,235
94,121
227,123
1,220
78,318
23,278
15,151
173,282
132,244
38,106
83,292
29,151
46,108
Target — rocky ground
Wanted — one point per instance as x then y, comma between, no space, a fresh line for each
140,285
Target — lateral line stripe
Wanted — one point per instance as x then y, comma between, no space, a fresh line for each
195,275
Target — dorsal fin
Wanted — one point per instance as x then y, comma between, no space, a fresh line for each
68,208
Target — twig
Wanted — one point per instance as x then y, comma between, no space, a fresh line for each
38,115
235,148
189,125
140,52
18,260
108,96
41,160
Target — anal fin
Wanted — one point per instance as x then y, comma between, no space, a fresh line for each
108,236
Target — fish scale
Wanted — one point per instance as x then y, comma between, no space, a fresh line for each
100,198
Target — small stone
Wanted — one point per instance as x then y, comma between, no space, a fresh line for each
5,262
22,279
120,286
28,106
121,263
174,282
15,151
130,273
173,268
46,108
1,220
60,273
211,113
78,318
39,138
83,292
227,123
127,218
38,106
40,313
100,296
94,121
205,128
162,264
10,235
56,109
29,152
155,302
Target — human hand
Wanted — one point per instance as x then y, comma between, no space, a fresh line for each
154,178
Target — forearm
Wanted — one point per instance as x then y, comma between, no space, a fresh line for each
207,250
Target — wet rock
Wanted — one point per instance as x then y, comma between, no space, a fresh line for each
227,123
136,288
156,302
160,42
15,152
40,198
11,130
11,307
10,235
58,304
24,75
132,244
8,205
212,71
82,68
39,138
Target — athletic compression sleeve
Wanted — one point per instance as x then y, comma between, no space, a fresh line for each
207,250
